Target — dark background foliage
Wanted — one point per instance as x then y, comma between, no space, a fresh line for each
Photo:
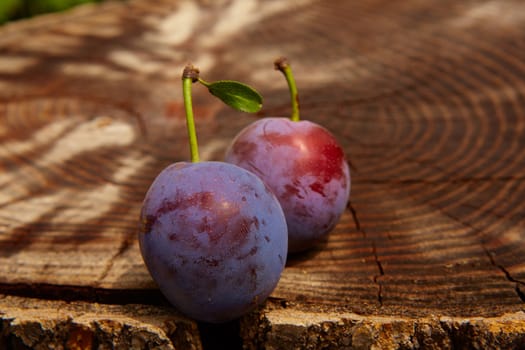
17,9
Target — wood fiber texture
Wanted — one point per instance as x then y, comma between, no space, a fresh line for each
426,97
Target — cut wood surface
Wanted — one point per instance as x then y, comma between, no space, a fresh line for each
41,324
426,97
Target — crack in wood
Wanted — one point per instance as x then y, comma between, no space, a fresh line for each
352,166
376,277
220,336
374,251
507,274
354,215
124,245
492,260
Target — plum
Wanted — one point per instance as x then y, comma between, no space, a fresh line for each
303,164
214,238
306,169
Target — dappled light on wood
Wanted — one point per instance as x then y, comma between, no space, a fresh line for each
426,98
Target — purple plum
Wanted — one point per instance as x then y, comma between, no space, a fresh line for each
214,238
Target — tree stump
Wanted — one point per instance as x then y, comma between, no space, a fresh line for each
426,97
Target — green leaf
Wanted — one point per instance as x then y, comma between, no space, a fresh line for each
236,95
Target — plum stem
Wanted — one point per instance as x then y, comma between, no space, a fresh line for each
203,82
189,76
283,65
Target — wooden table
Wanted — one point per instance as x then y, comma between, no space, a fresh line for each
426,97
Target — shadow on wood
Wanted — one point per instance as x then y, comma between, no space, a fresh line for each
426,99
